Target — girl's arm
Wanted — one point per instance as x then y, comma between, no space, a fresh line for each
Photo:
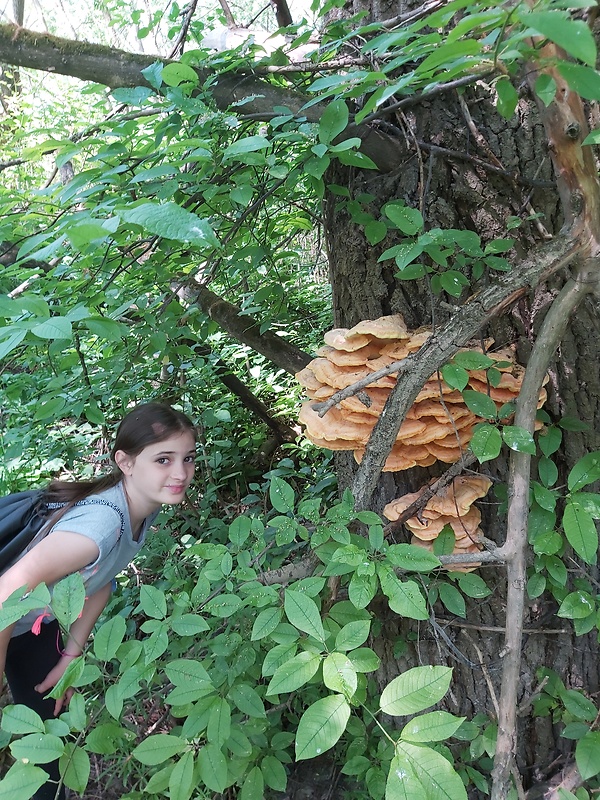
56,556
78,636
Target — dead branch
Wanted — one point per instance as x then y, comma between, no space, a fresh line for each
514,549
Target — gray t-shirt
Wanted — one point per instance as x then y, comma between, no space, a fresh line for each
103,517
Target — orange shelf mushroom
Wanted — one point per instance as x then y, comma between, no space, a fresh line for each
453,506
437,427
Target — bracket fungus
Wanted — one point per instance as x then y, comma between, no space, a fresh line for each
452,506
437,427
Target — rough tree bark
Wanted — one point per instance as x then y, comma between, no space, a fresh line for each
452,144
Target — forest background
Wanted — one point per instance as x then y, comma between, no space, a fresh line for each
185,221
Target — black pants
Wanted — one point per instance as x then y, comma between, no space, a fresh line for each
29,659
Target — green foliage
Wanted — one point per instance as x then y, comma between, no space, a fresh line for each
252,673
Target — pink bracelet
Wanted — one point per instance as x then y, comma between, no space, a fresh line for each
69,655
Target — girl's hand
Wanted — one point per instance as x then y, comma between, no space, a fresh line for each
52,678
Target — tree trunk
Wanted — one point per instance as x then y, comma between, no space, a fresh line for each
467,168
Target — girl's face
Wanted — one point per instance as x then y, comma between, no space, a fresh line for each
160,473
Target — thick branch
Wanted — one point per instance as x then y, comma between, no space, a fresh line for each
118,68
442,345
246,330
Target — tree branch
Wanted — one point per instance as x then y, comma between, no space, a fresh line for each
247,330
118,68
514,549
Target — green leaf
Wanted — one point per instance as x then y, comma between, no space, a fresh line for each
471,359
266,622
536,585
587,755
171,222
507,97
240,530
353,635
573,35
22,781
412,558
339,674
453,282
247,700
580,531
578,705
364,659
455,376
486,442
550,440
433,727
403,253
452,599
583,80
21,719
253,788
408,220
158,748
38,748
274,773
185,671
473,585
589,502
518,439
333,121
212,768
219,721
362,589
547,470
153,601
181,780
419,771
577,605
375,231
544,497
249,144
321,726
415,690
545,88
303,613
585,471
68,598
405,598
447,53
281,495
54,328
223,605
480,404
593,137
188,625
10,340
294,673
176,74
74,766
87,232
69,678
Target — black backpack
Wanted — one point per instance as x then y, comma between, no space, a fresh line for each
22,516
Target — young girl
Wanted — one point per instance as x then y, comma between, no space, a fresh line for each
98,532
